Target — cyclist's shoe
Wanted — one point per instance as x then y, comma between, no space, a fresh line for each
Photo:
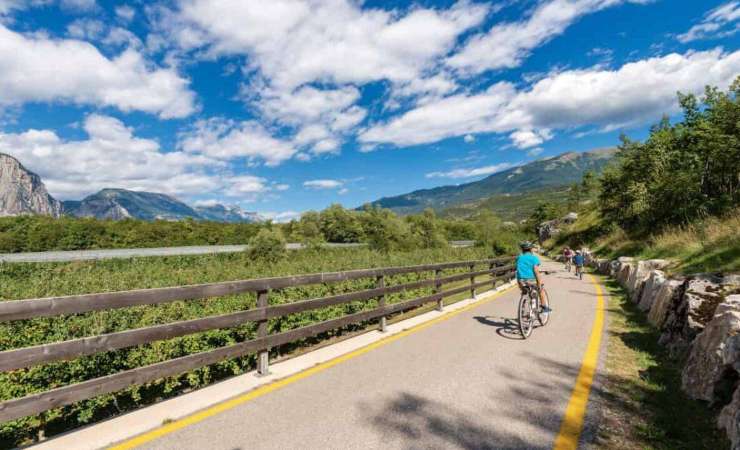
545,309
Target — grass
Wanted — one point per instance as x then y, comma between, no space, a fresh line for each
710,245
644,407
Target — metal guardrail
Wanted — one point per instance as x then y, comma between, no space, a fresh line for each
499,269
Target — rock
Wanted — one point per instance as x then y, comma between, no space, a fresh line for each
700,296
665,298
569,218
624,268
729,420
650,289
22,192
705,371
640,273
614,268
548,229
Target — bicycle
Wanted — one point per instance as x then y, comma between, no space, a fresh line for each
567,264
529,306
579,272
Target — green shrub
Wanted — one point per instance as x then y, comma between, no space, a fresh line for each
268,246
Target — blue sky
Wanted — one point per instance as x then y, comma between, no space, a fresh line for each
284,106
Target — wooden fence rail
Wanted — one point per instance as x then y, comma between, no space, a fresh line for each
499,269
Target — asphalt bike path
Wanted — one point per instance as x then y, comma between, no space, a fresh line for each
468,382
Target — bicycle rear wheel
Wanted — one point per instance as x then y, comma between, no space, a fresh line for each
542,316
525,316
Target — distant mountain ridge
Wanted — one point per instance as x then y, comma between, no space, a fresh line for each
555,171
118,204
23,192
220,213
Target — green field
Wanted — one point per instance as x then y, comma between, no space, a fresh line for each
19,281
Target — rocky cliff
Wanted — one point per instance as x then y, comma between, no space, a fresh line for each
22,192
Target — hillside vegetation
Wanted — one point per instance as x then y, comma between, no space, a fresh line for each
674,196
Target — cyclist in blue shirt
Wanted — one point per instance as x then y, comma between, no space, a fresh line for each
579,260
528,272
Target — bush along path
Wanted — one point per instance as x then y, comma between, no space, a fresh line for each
696,320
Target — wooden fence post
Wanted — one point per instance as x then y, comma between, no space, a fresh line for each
438,289
380,283
263,358
472,281
492,266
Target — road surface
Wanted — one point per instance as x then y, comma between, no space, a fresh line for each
469,382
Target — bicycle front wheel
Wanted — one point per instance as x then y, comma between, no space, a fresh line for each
525,316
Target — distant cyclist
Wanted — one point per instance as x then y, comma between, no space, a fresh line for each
567,257
528,272
579,260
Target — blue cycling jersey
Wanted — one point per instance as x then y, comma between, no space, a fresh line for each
525,264
579,260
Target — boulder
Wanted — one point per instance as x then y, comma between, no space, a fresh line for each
729,420
614,268
624,271
700,296
569,218
666,297
548,229
706,374
640,273
650,289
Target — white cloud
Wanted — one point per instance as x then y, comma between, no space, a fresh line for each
530,138
343,191
719,22
636,93
111,157
326,40
469,138
80,5
322,116
245,186
473,172
323,184
125,12
293,46
83,75
227,140
535,151
282,216
506,45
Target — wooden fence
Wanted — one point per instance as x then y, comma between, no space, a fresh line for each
500,269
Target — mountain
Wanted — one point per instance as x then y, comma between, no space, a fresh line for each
119,204
539,175
221,213
22,192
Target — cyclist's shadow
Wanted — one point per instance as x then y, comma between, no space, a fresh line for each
505,327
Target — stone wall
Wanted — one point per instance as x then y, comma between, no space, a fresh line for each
699,319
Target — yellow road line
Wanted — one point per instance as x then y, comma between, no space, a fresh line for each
258,392
570,429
